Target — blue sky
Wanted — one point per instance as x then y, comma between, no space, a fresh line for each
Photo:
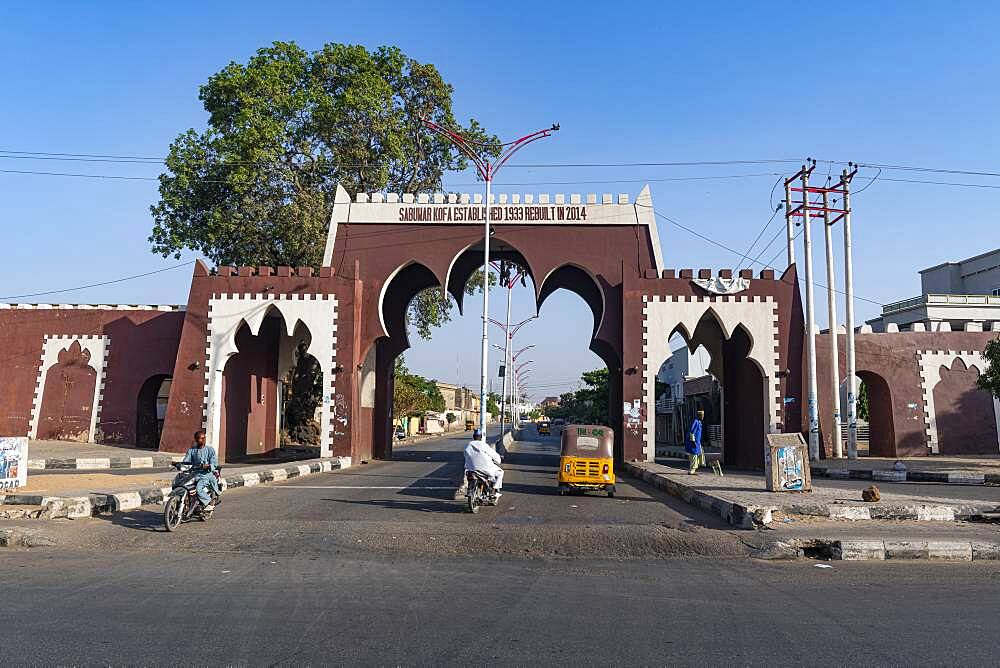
897,83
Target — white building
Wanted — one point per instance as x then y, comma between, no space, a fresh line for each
955,296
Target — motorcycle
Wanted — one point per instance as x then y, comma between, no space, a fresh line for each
479,490
183,504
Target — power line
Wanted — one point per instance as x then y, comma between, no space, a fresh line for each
96,285
731,250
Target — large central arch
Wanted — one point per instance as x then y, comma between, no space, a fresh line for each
409,279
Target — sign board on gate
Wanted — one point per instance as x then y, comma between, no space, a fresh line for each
13,462
787,463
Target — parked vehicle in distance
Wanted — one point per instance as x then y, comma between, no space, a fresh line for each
400,432
543,428
469,424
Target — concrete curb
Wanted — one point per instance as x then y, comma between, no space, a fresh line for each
93,504
753,516
744,517
908,550
890,475
21,537
103,463
883,475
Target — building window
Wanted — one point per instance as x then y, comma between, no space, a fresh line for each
996,292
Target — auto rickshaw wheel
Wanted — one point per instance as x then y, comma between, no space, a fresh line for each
611,492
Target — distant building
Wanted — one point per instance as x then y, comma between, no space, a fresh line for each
461,401
955,296
685,374
549,402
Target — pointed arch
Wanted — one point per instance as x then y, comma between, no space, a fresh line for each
470,259
402,285
577,279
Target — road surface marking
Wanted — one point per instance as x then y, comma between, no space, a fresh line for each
361,487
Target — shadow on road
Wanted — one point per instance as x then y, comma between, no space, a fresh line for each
140,520
429,506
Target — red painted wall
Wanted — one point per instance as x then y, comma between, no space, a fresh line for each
894,358
250,394
68,396
143,343
966,422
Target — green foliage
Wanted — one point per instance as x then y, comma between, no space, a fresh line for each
450,417
413,395
863,406
256,187
431,309
989,379
493,403
588,405
304,391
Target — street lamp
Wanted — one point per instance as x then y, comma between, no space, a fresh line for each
486,170
509,332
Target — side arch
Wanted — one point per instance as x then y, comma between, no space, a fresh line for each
576,279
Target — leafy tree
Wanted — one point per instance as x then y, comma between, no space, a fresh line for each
429,308
493,403
304,388
863,406
256,187
413,395
450,417
589,404
989,379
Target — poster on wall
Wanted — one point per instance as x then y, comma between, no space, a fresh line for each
13,462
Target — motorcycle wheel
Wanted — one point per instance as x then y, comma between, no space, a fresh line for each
172,513
473,498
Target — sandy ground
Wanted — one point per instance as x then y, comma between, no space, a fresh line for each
58,484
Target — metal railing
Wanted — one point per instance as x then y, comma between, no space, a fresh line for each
958,300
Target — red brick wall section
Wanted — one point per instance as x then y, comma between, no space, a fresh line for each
894,358
250,394
783,290
68,396
143,343
966,422
187,406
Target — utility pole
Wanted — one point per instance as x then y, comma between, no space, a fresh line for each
852,379
487,170
789,225
803,208
838,448
803,211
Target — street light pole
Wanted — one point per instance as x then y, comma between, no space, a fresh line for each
486,170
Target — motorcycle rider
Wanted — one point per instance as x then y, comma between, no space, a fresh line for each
206,461
479,456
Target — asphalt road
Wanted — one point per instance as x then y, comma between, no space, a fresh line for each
406,506
378,565
248,609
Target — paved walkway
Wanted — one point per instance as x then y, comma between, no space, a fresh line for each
38,449
748,489
972,463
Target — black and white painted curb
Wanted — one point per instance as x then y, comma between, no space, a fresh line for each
752,516
937,550
881,475
93,504
890,475
102,463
